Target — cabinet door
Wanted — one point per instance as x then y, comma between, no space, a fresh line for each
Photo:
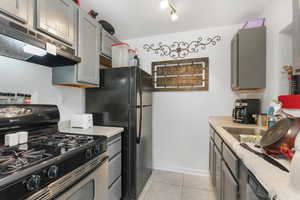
252,58
212,162
107,40
17,9
296,32
218,168
234,62
88,49
57,18
243,181
229,185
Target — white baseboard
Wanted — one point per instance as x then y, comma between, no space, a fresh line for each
184,171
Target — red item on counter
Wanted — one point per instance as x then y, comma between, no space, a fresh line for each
77,1
290,101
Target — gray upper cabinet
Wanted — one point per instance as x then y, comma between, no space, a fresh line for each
18,9
57,18
85,74
88,49
248,59
296,33
107,40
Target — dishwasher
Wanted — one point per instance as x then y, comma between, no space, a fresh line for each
255,191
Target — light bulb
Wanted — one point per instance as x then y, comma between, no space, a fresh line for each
174,16
164,4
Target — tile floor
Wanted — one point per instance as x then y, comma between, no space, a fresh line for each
164,185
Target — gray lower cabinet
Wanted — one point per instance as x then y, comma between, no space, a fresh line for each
230,187
115,169
243,180
57,18
212,161
223,167
18,9
218,173
115,192
229,175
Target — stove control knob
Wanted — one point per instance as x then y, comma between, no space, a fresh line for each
33,183
88,154
52,172
97,149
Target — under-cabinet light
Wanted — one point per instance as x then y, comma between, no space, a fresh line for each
34,50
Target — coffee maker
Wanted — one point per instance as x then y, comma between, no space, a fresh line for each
244,109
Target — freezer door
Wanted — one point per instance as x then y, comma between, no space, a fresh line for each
109,103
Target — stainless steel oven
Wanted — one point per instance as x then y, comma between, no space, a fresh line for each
88,182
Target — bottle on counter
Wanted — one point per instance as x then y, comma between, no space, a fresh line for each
11,98
3,98
27,99
20,98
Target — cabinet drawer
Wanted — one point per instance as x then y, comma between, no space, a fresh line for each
115,191
218,142
231,160
114,147
114,169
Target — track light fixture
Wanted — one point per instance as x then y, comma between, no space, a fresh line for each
164,4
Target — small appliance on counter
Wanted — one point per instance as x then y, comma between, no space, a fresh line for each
245,109
83,121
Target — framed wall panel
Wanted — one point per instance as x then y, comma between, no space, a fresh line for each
181,75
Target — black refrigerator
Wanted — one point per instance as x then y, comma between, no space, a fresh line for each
124,99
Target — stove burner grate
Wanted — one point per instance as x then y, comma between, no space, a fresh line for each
13,160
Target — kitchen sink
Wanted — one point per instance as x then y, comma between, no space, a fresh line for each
238,133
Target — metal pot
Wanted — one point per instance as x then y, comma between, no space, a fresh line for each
280,138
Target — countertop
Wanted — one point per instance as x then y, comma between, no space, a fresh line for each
96,130
275,181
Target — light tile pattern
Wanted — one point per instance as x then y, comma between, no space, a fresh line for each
164,185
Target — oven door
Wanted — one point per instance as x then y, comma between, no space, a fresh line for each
92,187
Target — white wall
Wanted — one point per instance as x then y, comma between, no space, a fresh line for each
279,48
180,119
24,77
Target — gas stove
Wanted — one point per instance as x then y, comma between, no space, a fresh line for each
47,156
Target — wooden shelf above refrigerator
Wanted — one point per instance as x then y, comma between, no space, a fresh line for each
104,61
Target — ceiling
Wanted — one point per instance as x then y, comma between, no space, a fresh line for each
141,18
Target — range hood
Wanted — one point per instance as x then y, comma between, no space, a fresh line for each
21,43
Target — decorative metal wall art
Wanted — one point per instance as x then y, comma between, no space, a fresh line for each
181,75
181,49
